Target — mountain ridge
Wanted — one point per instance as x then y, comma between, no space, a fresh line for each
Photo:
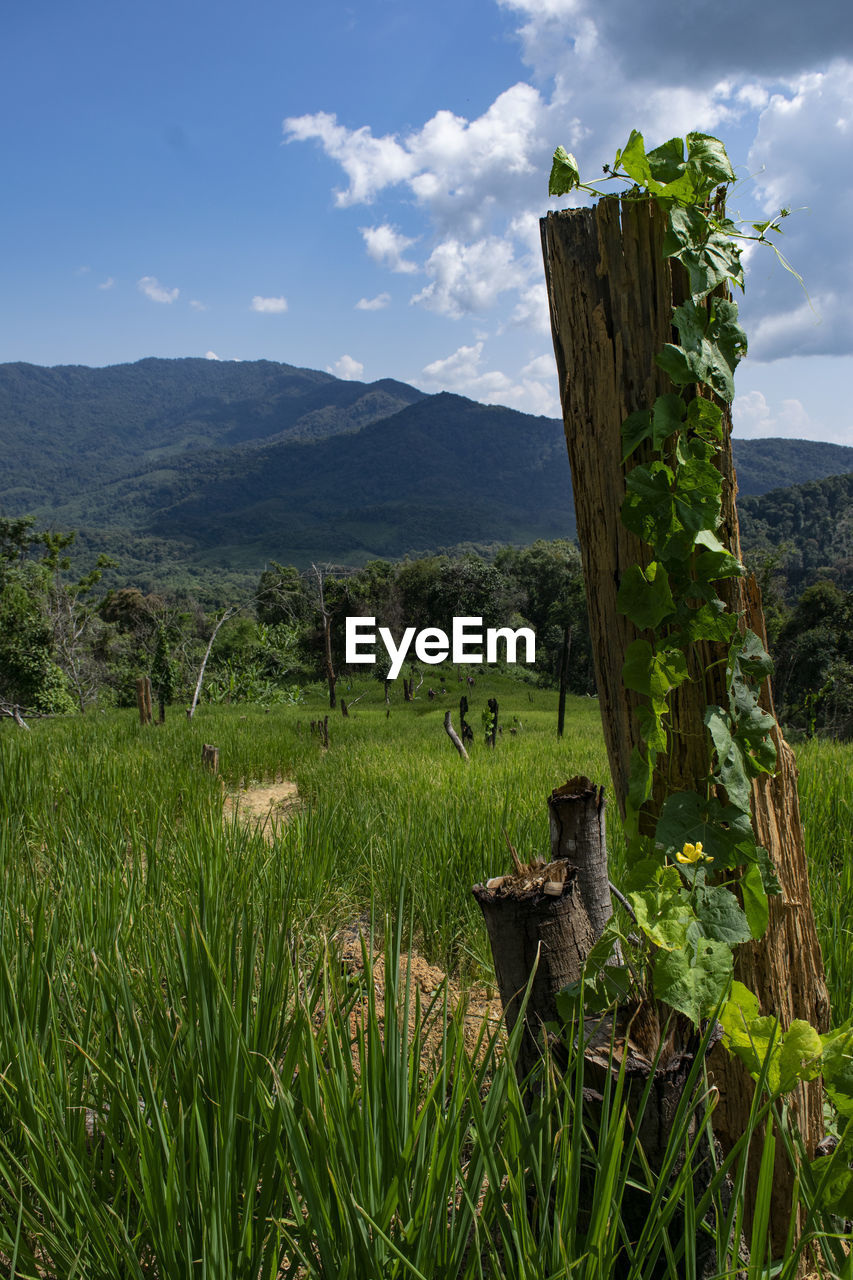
231,464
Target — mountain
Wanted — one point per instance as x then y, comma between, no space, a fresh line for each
70,428
807,530
191,468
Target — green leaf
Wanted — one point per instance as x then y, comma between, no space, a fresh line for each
645,595
720,915
636,428
636,669
652,730
694,979
724,831
707,157
769,877
565,175
705,418
754,900
661,913
837,1067
711,622
799,1057
640,776
633,160
696,497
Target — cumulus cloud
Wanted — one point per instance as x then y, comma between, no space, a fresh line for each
387,246
211,355
153,289
470,277
753,416
347,368
369,163
471,191
801,133
108,283
269,306
462,372
662,40
379,303
196,305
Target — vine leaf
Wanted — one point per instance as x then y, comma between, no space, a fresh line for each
694,979
565,175
645,596
754,900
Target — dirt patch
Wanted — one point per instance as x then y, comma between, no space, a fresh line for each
479,1003
264,808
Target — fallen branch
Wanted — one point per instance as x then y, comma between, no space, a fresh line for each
454,736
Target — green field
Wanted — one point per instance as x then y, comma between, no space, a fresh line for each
180,1091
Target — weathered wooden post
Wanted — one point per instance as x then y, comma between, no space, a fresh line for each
611,294
210,757
143,699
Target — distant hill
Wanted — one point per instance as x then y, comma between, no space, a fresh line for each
70,428
806,528
195,468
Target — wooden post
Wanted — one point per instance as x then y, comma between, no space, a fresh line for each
210,757
143,699
611,293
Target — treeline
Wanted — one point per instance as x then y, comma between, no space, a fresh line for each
65,645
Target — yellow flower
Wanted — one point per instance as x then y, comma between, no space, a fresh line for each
692,853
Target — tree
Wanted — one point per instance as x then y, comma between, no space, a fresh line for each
30,677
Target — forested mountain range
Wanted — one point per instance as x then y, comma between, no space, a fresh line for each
225,465
805,529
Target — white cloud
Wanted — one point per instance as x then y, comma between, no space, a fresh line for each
347,368
387,246
153,289
379,303
370,163
108,283
462,373
196,305
753,416
470,277
269,306
211,355
800,137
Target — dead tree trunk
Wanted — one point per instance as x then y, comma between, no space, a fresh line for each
576,819
611,294
143,699
454,736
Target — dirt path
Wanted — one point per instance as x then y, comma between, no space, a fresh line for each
264,807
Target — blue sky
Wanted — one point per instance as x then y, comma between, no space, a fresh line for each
357,187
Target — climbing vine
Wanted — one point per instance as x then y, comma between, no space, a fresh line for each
688,850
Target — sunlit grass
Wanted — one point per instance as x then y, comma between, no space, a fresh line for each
189,1085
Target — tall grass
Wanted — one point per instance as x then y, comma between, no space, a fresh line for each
190,1084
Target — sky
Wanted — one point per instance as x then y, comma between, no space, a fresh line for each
357,187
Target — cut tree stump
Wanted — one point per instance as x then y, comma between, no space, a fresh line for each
535,919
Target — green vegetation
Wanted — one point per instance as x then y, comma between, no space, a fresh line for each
193,474
180,1077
